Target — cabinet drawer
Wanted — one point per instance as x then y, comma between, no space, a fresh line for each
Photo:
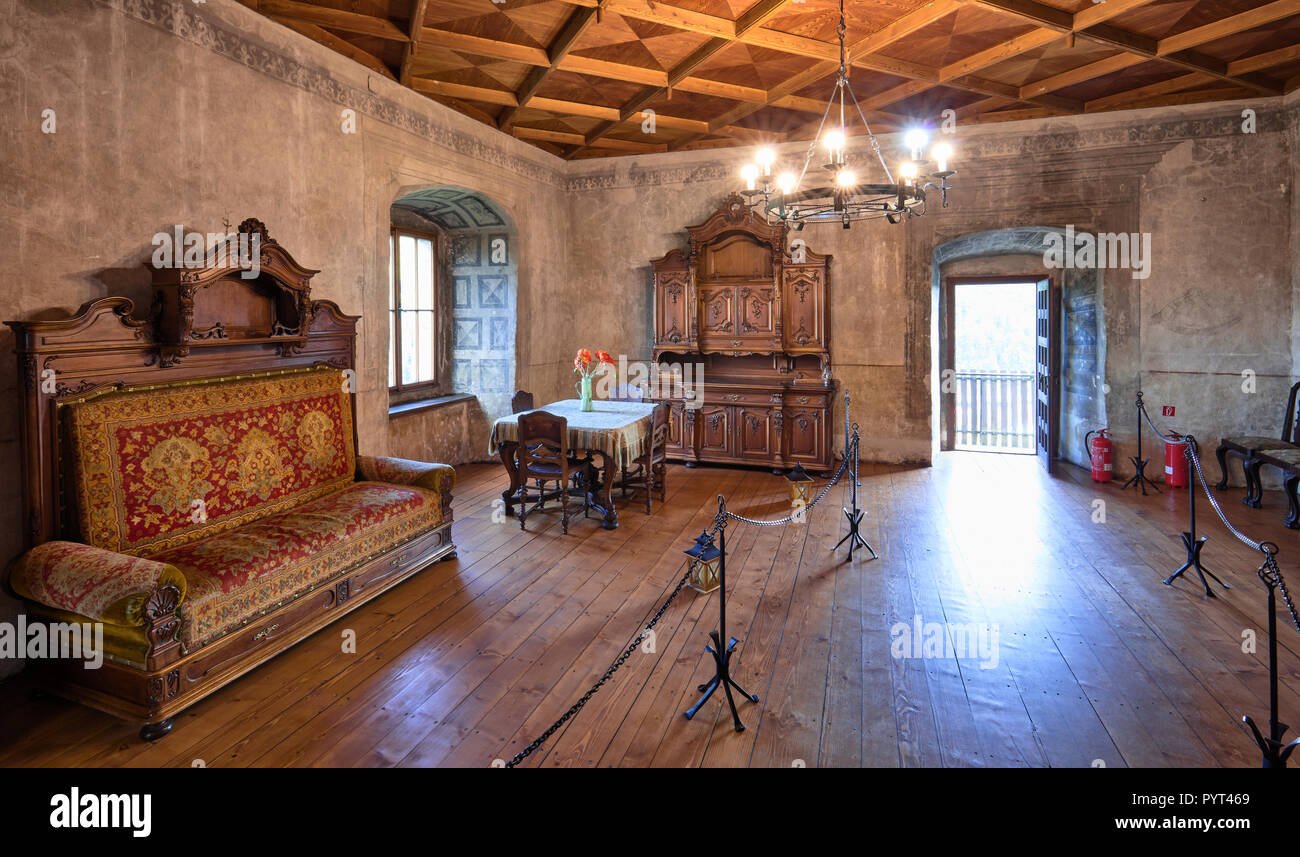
742,398
796,399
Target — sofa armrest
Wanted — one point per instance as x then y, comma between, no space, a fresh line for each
440,478
99,584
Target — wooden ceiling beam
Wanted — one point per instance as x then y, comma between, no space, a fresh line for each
1229,26
1079,75
996,54
1163,87
574,26
333,42
571,139
1099,13
508,99
418,9
335,19
1246,65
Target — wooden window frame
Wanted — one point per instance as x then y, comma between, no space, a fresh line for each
430,386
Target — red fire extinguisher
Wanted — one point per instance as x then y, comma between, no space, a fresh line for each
1176,463
1101,451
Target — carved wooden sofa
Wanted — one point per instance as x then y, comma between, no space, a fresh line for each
199,493
1250,447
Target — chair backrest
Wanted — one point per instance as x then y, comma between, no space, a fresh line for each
659,429
523,401
627,393
543,440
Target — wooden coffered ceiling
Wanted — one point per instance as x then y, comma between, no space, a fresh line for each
579,77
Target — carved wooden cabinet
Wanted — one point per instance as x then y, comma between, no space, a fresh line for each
753,314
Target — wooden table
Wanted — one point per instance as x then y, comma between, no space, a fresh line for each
614,432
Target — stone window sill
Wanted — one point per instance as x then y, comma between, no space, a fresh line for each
420,405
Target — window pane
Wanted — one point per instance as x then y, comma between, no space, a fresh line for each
426,346
392,349
410,341
424,294
407,257
391,282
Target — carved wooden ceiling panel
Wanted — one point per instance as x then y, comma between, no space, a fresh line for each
582,78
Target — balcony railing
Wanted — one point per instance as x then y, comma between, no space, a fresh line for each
995,411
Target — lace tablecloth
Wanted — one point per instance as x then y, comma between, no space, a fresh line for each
618,429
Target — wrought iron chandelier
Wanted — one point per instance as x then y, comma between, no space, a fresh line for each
846,197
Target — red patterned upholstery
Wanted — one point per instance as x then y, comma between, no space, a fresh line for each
90,581
157,468
235,576
405,471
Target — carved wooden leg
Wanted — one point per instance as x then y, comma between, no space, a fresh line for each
605,498
1222,454
1254,487
507,454
154,731
563,485
649,484
1292,521
523,503
663,482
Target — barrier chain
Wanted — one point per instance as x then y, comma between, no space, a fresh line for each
719,522
1268,572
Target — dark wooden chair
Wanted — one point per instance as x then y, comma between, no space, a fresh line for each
1249,446
627,393
523,401
649,471
544,456
1288,461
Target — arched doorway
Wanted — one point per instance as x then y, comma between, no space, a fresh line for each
1018,252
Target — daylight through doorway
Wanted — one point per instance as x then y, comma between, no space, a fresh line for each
993,378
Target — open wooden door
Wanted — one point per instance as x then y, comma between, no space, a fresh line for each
1047,358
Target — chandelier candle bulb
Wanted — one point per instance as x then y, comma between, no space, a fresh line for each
765,158
786,182
941,153
749,173
834,141
916,140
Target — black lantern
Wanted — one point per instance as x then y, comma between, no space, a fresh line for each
801,485
705,559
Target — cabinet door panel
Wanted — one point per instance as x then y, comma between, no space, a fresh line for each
754,433
757,313
672,321
804,305
715,429
804,426
717,303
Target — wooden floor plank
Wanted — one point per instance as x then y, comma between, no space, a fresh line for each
1097,661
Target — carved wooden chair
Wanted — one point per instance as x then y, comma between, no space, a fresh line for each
522,401
1288,461
1248,448
627,393
544,456
649,471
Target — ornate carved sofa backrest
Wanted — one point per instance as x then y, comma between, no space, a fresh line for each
155,467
